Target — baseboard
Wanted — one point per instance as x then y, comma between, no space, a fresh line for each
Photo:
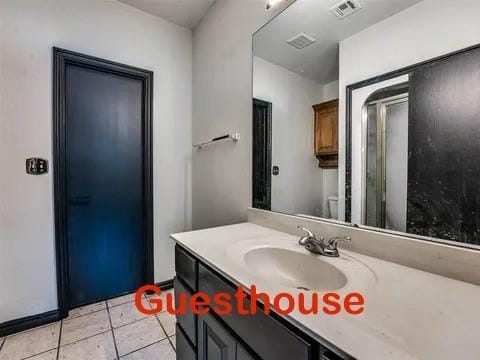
28,322
165,285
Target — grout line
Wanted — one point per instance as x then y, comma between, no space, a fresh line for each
127,301
3,342
105,308
46,351
43,352
59,339
95,311
114,306
106,305
165,332
113,333
85,338
144,347
89,313
171,343
132,322
161,325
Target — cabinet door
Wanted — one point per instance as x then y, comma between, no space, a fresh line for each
214,342
326,128
188,320
183,348
242,354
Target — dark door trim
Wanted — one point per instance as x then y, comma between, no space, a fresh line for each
268,106
61,58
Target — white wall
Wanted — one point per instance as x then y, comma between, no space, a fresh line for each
222,102
106,29
421,32
298,187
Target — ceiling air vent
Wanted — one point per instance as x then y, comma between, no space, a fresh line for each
345,8
301,40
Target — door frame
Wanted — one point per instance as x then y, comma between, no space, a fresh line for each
268,106
61,58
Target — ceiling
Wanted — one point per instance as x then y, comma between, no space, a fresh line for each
318,61
187,13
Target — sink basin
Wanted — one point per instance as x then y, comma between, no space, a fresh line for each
294,270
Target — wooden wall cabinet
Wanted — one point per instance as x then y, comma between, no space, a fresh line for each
326,133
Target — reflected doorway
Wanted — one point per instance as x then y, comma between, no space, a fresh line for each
262,155
386,162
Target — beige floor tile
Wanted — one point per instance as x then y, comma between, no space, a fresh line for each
98,347
49,355
163,297
31,342
121,300
127,313
173,339
159,351
137,335
84,326
168,322
87,309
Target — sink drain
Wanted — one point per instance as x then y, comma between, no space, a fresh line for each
302,288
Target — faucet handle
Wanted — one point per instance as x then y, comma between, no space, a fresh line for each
333,242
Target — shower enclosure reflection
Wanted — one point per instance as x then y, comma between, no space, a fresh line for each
386,161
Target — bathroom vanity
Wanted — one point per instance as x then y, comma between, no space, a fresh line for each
236,336
409,314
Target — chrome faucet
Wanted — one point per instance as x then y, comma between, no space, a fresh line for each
321,246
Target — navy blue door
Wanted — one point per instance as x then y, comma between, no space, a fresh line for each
104,184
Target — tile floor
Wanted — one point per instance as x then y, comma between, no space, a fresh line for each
108,330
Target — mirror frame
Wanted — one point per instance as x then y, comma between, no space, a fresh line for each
348,144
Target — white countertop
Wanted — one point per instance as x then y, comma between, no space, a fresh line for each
409,314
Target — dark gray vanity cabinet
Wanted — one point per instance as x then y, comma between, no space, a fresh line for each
217,343
185,351
234,336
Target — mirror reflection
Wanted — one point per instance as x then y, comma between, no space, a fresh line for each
368,112
386,135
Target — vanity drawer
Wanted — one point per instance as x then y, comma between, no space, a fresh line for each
186,267
328,355
188,320
263,334
183,348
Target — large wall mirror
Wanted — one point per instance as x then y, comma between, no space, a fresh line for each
368,112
